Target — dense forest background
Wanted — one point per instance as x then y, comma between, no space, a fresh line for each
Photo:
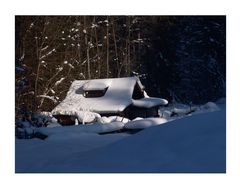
180,58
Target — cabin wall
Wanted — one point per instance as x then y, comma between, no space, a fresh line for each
65,120
132,112
137,92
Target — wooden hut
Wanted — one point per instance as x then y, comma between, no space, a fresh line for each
124,97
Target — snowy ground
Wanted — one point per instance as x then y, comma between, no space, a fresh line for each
184,143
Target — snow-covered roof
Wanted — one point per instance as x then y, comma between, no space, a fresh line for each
117,97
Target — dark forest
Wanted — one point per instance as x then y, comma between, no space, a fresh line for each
180,58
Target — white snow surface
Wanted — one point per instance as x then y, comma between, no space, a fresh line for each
144,123
211,107
182,110
149,102
96,85
35,155
91,128
109,119
54,124
116,99
195,143
86,117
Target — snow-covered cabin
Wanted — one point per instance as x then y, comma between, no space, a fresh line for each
114,96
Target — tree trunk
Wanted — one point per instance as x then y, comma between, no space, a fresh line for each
107,61
38,54
98,56
115,46
87,45
129,48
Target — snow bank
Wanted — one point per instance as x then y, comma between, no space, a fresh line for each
91,128
87,117
192,144
211,107
144,123
178,110
55,124
184,111
221,103
149,102
105,119
137,118
110,119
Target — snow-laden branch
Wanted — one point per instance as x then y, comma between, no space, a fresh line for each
59,81
48,97
47,54
22,57
44,48
71,66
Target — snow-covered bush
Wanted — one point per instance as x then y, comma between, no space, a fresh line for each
211,107
42,119
179,110
26,128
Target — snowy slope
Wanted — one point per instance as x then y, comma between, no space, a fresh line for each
35,155
192,144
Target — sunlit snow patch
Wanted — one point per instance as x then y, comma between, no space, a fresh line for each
144,123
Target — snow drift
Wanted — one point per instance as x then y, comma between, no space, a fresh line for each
92,128
192,144
144,123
